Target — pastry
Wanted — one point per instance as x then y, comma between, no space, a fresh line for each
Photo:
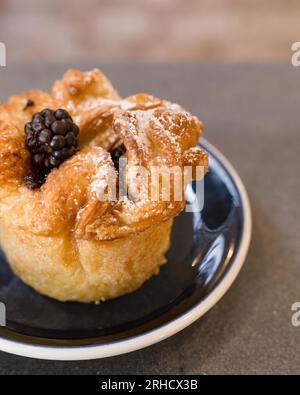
62,231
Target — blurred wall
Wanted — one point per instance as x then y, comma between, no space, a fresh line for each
155,30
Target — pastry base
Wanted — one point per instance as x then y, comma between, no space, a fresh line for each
83,270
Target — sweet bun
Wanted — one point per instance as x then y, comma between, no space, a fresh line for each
63,239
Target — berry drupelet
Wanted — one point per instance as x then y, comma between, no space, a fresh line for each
51,138
116,154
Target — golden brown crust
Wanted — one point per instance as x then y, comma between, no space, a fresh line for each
64,239
85,270
14,158
154,131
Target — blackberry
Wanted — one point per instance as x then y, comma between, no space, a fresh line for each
29,103
116,154
34,181
51,137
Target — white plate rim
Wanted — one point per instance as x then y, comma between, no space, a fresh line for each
76,353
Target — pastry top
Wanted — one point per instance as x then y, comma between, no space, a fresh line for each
154,132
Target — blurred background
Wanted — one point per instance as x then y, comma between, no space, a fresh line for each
150,30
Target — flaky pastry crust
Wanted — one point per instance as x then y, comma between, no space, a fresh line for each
78,247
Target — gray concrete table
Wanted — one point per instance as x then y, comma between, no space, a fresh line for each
252,114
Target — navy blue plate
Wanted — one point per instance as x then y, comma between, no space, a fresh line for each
204,250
